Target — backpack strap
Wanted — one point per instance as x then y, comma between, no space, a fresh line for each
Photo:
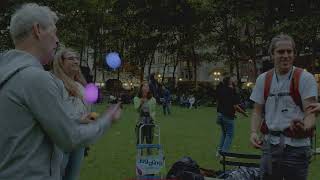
267,84
294,87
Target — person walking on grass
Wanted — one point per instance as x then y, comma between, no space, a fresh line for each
228,105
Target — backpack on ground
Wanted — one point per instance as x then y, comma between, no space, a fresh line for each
185,169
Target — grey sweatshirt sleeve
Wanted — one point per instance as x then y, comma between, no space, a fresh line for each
46,99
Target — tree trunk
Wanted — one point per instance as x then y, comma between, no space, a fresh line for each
164,67
88,57
121,55
142,66
236,59
231,66
95,51
103,76
163,72
195,67
81,53
95,45
238,73
226,36
313,60
254,62
189,69
118,73
95,65
141,74
253,55
175,68
150,64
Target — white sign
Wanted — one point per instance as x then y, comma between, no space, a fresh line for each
149,165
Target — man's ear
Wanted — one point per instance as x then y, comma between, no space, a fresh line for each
36,30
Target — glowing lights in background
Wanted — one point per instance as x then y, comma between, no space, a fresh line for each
216,76
217,73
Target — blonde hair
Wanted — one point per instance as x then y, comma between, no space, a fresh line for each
281,37
69,83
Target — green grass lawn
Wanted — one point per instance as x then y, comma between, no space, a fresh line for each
186,132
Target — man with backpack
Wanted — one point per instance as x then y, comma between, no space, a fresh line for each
281,98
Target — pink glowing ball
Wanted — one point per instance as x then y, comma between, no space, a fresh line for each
91,93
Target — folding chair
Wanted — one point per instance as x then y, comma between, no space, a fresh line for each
239,159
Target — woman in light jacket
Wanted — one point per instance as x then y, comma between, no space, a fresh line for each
145,104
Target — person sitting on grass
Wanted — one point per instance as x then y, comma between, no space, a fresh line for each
191,101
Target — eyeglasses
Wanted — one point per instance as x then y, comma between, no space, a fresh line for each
71,58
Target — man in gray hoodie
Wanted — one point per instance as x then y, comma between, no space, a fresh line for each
37,122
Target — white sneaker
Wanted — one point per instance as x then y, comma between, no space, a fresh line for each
217,154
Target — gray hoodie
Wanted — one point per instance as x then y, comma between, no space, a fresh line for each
37,122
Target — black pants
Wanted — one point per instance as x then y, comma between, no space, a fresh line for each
166,108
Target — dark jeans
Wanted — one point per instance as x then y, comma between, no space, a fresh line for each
166,108
227,131
288,163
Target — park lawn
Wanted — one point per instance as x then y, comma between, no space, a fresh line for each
187,132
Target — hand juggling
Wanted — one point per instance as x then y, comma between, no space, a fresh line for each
313,108
115,111
93,116
86,119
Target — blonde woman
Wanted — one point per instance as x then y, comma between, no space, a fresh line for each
66,66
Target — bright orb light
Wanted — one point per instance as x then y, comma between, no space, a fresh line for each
113,60
91,93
